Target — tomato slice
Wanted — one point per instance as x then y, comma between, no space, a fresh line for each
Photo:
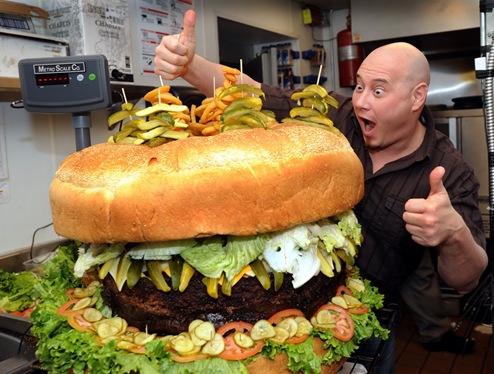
65,309
132,329
232,350
178,358
287,313
234,326
362,309
345,327
141,350
27,312
278,317
343,290
77,321
70,293
297,339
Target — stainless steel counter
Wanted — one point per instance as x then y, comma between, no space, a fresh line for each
466,129
458,113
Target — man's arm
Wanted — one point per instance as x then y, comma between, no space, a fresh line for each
433,222
175,57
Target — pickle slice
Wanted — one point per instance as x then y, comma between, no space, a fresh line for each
261,274
134,273
156,274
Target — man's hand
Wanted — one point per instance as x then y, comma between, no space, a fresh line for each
175,52
432,221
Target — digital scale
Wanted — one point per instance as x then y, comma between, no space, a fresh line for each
71,84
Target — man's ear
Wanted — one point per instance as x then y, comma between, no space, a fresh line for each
420,95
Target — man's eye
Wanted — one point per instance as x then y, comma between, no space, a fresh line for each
358,87
378,91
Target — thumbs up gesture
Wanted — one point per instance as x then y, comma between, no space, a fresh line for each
432,221
175,52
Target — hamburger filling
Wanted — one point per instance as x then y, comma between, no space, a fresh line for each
303,251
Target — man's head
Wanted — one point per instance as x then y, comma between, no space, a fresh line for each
391,91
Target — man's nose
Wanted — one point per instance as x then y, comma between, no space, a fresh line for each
360,100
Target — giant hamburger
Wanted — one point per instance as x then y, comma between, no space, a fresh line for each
230,229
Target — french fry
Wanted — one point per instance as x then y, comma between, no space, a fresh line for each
169,99
228,99
152,96
220,104
230,70
213,114
182,116
196,128
230,77
193,113
210,130
205,114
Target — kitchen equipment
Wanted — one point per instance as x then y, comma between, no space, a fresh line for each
17,346
468,102
21,44
74,84
465,128
485,69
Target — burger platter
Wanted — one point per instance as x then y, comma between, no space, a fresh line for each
209,239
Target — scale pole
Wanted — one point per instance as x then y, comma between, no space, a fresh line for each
487,76
82,125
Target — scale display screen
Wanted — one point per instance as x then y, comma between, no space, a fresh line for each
70,84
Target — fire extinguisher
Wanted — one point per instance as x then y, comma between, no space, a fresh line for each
350,56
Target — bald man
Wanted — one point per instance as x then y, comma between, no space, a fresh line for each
420,195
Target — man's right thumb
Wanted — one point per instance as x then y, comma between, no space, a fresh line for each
189,24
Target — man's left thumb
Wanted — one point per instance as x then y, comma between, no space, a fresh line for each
436,180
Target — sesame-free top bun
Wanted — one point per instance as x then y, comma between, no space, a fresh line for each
240,182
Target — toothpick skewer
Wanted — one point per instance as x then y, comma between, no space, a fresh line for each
214,86
125,99
159,91
241,72
319,75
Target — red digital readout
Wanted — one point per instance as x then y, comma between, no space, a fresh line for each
52,79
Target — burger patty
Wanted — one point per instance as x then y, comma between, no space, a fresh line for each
146,307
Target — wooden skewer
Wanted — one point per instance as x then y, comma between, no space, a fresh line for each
241,72
125,99
159,91
319,75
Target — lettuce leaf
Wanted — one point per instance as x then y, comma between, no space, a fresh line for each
301,357
16,290
209,365
160,250
212,257
331,235
370,296
95,255
349,226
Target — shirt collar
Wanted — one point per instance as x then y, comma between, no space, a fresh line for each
429,143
